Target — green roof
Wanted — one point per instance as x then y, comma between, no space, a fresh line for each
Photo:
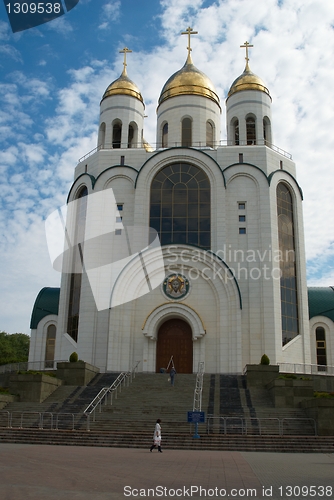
321,302
47,302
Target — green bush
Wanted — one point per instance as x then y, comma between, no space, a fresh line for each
265,360
73,357
327,395
288,376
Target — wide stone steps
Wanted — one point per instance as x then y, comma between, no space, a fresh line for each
121,439
232,415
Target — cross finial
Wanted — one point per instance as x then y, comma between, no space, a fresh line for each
189,31
125,51
246,46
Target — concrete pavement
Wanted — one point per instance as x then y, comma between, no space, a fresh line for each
45,472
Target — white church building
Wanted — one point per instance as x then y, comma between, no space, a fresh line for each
222,278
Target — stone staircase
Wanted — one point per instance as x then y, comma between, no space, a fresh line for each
130,420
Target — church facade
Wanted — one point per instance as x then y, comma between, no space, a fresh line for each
221,275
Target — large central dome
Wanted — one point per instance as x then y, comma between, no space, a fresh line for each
188,81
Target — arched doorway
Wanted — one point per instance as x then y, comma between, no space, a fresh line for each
175,339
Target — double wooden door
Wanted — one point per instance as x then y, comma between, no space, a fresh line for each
175,339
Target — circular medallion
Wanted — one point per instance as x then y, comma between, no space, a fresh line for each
175,286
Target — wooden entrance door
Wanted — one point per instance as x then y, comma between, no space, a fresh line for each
175,339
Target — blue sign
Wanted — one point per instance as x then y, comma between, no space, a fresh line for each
196,417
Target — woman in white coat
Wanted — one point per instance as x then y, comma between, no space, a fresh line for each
157,436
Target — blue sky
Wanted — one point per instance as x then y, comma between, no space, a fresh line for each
52,78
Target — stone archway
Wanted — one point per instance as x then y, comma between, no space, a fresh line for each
175,339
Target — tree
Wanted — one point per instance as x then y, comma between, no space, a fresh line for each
14,347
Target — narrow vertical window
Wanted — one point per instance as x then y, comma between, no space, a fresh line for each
102,135
186,132
164,141
76,276
50,346
321,348
250,131
116,135
236,132
286,239
131,136
209,134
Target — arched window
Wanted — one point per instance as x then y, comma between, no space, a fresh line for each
76,277
50,346
186,132
131,135
235,126
209,134
321,348
250,131
180,205
116,135
164,142
102,135
266,131
286,239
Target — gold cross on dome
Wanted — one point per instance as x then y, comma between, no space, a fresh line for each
189,31
125,51
246,46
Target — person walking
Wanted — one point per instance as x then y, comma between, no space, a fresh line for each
172,374
157,436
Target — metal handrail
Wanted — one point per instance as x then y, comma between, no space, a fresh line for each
195,145
105,391
197,404
243,423
306,369
8,416
30,365
311,420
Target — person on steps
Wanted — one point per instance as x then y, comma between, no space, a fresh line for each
157,436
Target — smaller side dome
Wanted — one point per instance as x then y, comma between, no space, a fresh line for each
248,81
123,86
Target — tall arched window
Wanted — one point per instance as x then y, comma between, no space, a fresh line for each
164,142
321,348
209,134
50,346
131,134
76,277
102,135
180,205
250,131
286,239
116,135
186,132
235,126
266,131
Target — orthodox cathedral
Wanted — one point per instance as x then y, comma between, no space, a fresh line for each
191,250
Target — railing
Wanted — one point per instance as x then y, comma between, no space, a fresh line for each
30,365
102,396
38,420
255,426
197,405
197,145
306,369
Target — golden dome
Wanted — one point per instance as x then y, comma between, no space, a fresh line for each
188,81
123,86
247,81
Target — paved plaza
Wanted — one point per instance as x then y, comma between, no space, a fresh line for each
43,472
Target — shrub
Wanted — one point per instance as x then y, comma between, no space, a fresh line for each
73,357
265,360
